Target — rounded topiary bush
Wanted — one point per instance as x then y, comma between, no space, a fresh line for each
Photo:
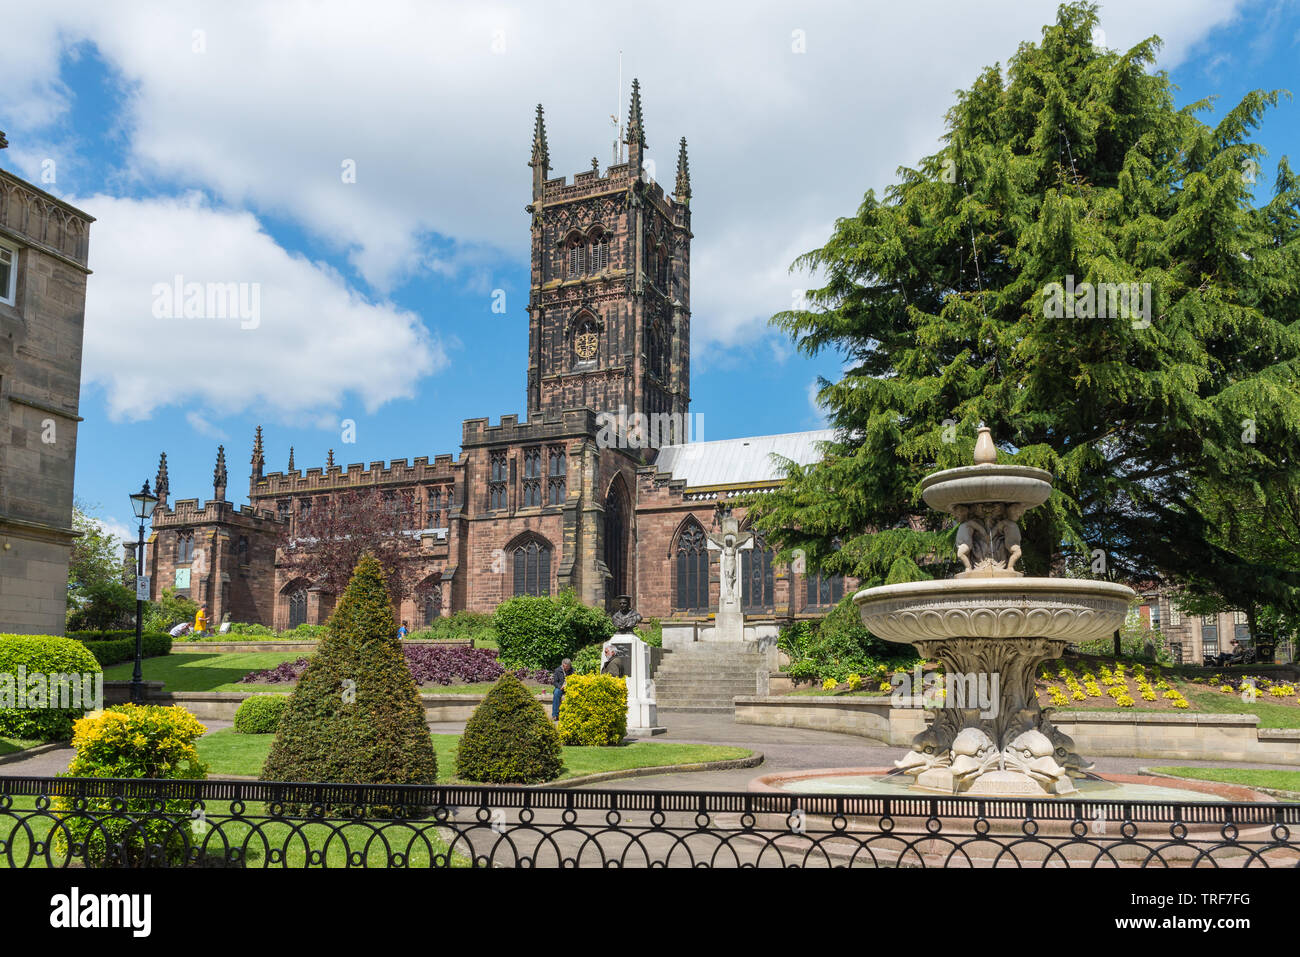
509,739
593,711
50,669
260,714
356,716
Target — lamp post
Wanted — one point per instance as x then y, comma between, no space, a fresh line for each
142,503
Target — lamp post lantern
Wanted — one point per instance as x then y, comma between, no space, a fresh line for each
142,503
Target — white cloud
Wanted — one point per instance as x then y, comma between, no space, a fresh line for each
200,424
439,125
312,344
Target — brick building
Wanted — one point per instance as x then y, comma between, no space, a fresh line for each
43,253
600,490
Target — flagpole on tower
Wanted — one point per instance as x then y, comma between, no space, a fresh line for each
617,119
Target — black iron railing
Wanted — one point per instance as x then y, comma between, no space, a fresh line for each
59,822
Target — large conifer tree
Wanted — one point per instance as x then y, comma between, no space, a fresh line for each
1072,167
356,716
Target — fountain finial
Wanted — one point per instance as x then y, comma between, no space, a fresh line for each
986,453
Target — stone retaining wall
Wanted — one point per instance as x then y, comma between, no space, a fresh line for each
221,705
1173,737
869,717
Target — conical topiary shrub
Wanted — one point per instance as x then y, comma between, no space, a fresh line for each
509,739
356,716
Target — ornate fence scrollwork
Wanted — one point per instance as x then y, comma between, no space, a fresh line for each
61,822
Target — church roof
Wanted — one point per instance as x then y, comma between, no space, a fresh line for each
726,463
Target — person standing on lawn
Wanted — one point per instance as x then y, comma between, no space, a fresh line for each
557,678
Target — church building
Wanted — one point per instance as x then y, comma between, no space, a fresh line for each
601,489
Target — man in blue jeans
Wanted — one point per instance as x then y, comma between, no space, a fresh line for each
557,679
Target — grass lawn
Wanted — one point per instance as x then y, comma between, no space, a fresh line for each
14,745
1248,777
195,671
243,754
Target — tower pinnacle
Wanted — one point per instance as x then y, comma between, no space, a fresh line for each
160,482
683,191
219,476
635,121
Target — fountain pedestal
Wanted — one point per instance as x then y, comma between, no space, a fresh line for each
992,627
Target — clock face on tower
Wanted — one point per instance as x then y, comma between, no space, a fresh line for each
586,343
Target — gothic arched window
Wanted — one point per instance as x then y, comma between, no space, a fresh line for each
692,578
822,589
662,275
616,539
298,608
429,595
184,547
757,586
532,571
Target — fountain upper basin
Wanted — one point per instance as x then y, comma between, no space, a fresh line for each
973,484
1067,609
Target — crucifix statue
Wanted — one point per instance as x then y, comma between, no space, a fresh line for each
729,541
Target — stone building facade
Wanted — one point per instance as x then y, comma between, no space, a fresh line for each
43,255
600,490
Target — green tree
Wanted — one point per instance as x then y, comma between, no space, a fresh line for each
356,716
97,596
947,299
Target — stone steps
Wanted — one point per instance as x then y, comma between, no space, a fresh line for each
707,677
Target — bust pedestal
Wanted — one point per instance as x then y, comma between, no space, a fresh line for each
642,712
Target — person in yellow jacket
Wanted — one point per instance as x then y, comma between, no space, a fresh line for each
201,621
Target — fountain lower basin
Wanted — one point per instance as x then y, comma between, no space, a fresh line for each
887,782
1055,609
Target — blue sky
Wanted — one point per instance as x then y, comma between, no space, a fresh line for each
208,142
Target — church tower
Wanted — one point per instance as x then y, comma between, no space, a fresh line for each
609,306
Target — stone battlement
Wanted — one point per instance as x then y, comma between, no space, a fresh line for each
396,472
570,423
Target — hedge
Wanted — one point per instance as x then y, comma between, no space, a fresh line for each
538,632
113,647
260,714
45,655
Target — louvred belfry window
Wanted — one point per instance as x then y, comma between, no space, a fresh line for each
600,253
575,260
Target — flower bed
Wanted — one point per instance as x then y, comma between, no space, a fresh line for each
1148,687
429,664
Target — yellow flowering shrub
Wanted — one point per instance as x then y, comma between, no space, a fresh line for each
854,682
593,711
131,741
830,684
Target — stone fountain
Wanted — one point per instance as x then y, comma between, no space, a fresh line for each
991,624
